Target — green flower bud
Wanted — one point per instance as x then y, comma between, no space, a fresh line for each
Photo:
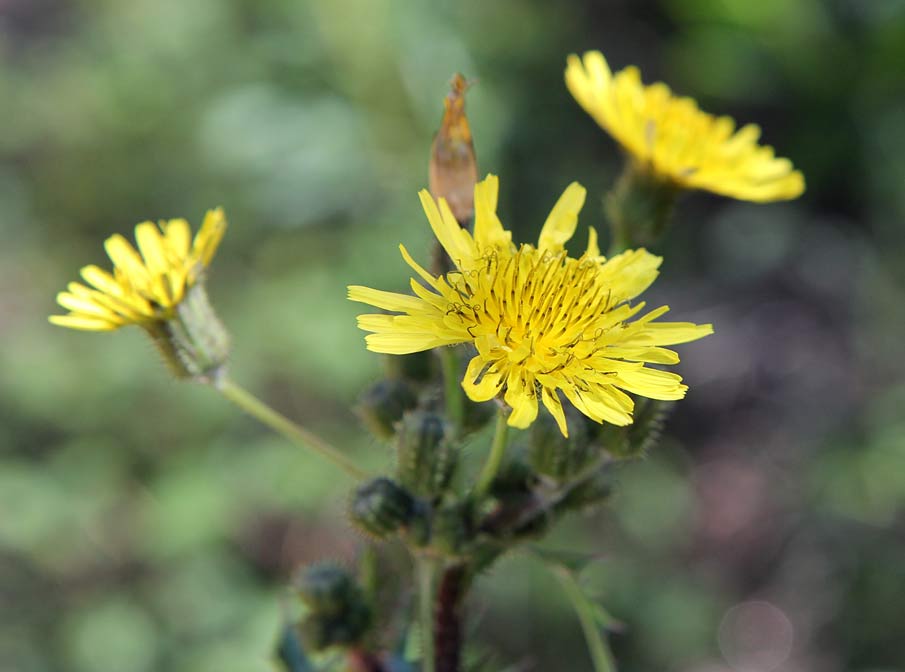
319,632
327,589
380,507
552,454
426,454
637,439
383,405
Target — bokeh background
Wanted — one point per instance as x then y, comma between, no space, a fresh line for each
145,525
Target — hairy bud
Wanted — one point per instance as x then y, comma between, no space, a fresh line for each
383,404
426,454
552,454
381,507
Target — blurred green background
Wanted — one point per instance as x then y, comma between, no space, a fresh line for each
145,525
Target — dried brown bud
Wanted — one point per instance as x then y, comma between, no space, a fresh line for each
453,168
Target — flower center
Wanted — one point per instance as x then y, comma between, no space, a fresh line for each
536,310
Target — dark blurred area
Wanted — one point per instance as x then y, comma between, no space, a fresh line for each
145,525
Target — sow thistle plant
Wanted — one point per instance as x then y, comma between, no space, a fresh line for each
556,345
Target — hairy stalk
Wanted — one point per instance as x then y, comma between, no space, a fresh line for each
448,619
426,567
283,425
495,458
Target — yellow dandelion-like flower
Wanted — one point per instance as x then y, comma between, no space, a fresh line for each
543,323
158,287
146,287
675,139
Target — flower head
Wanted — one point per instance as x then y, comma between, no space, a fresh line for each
159,288
675,140
146,287
543,323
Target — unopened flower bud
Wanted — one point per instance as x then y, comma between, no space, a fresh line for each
338,613
552,454
381,507
327,589
635,440
426,453
383,404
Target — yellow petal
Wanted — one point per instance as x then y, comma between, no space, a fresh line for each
454,239
209,236
378,298
560,225
488,230
83,322
554,405
521,396
673,333
102,280
151,246
415,266
85,306
481,382
127,261
178,237
630,273
593,250
402,344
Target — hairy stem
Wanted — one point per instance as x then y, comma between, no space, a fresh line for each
283,425
448,619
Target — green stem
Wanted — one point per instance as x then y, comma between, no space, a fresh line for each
283,425
426,568
601,656
455,396
495,458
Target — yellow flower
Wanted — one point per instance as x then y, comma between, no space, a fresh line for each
143,288
159,288
677,141
543,323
